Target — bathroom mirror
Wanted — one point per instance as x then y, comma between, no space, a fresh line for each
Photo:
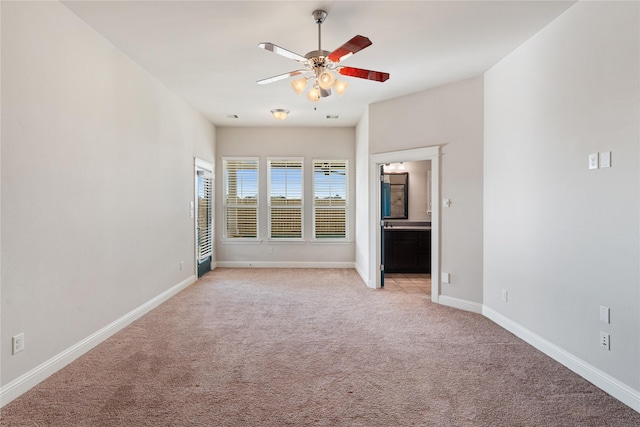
395,199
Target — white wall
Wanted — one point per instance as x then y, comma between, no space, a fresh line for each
362,214
310,143
563,239
418,189
97,176
451,116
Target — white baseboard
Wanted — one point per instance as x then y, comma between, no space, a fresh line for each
462,304
615,388
364,276
28,380
283,264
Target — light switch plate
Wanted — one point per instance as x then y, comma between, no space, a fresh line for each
604,314
605,159
446,278
593,161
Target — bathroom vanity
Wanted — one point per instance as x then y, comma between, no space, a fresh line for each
407,247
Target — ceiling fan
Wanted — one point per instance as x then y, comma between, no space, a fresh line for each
323,64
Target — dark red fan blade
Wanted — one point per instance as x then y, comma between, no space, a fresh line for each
363,74
354,45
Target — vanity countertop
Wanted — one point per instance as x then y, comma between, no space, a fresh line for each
407,227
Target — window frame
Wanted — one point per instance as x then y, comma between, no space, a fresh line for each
226,205
346,206
299,206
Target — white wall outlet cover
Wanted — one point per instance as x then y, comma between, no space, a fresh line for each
593,161
605,159
446,278
604,314
446,203
17,343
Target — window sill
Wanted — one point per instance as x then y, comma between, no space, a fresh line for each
241,241
287,241
331,241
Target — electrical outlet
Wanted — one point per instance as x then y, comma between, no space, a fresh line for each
604,340
269,250
17,342
505,295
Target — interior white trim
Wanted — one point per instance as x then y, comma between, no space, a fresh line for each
615,388
375,160
23,383
284,264
462,304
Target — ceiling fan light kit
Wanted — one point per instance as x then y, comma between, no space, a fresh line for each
299,85
323,65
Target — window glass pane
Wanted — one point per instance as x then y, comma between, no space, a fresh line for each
241,222
330,223
285,197
241,178
330,198
241,198
286,223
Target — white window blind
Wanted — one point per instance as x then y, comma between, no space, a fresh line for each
205,231
241,198
330,199
285,198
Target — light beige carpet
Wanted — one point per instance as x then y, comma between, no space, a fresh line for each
261,347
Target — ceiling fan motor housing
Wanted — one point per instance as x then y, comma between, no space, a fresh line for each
319,16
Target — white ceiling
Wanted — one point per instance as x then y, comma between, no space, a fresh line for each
207,53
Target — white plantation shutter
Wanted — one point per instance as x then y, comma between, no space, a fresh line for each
205,231
285,198
330,199
240,198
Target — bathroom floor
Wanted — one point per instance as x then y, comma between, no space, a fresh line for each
419,284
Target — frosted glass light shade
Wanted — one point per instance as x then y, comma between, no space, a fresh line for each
314,94
326,79
299,85
280,114
340,86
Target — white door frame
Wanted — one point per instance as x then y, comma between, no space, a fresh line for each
199,164
375,161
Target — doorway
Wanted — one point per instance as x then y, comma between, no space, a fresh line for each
376,225
204,216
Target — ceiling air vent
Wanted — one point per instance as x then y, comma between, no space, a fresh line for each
333,116
232,116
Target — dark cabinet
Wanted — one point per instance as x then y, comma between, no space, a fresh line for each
407,251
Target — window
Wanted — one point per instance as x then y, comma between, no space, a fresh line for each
330,199
285,198
240,198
